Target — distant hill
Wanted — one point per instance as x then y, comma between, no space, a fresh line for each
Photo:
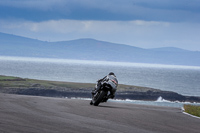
90,49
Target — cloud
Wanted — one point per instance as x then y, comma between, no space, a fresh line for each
143,23
104,10
146,34
184,5
33,4
68,26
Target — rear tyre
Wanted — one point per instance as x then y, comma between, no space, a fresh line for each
97,99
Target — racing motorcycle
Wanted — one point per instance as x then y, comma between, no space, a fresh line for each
102,95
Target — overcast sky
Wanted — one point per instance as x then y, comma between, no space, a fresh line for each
141,23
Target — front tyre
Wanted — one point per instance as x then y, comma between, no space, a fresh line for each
98,98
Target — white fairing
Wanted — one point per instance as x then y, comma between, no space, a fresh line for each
112,80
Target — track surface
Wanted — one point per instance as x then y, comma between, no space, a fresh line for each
31,114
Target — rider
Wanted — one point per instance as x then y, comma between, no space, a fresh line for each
112,80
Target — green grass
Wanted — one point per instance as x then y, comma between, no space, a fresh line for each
17,82
192,109
7,77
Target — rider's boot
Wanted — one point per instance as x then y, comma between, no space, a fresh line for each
111,96
91,103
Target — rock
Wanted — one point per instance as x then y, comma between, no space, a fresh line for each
149,95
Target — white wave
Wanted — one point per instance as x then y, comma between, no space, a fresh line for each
94,62
160,99
79,98
159,102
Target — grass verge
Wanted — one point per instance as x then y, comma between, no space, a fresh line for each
17,82
192,109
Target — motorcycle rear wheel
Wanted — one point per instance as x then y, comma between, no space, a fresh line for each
98,98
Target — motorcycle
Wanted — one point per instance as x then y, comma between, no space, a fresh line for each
101,95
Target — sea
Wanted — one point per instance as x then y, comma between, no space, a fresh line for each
184,80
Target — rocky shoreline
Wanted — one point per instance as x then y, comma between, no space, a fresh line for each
12,85
86,93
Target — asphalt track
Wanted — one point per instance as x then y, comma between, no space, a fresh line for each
31,114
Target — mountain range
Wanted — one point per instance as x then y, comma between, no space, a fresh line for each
91,49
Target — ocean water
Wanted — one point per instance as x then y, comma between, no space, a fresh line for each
181,79
159,102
